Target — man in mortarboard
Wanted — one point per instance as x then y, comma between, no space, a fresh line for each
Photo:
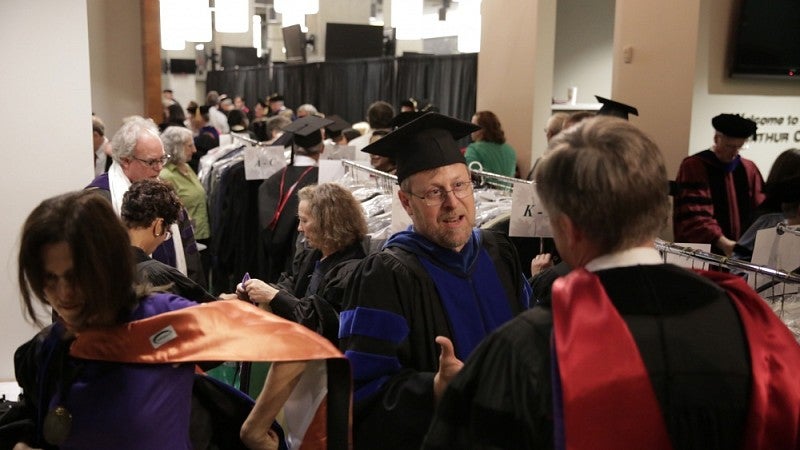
277,195
615,108
277,106
717,191
333,132
631,353
335,141
441,282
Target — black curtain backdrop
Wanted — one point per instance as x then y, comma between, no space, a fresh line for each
346,88
447,82
252,83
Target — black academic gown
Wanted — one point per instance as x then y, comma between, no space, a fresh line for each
397,415
159,274
697,360
278,242
316,308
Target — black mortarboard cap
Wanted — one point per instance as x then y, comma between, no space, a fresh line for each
425,143
404,117
410,103
734,125
338,125
614,108
306,131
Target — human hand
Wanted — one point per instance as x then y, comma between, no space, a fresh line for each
256,290
725,244
259,291
259,441
224,296
449,366
541,262
24,446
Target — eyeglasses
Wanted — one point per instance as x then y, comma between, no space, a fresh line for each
436,196
153,163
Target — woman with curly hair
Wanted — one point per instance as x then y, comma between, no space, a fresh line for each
333,224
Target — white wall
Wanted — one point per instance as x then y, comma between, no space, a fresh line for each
716,93
583,48
46,69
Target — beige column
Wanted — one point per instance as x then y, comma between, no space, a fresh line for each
660,39
515,70
151,59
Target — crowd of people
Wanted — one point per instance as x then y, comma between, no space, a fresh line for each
447,343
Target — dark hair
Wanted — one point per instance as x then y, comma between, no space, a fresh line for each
103,263
785,167
350,134
491,131
147,200
175,114
380,114
237,117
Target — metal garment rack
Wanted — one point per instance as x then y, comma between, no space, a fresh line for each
728,263
492,178
782,228
383,179
248,140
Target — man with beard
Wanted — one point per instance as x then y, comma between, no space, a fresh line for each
442,282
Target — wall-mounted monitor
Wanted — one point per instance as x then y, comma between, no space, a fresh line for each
294,40
767,41
177,65
231,57
351,41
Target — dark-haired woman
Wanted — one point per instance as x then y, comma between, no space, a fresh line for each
489,146
75,257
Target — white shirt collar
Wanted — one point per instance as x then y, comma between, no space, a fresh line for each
644,256
303,161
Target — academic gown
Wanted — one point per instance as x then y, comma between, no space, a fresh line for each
160,274
278,241
142,406
234,235
698,364
391,344
713,199
316,304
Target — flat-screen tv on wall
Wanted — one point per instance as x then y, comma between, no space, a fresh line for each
767,40
238,56
177,65
350,41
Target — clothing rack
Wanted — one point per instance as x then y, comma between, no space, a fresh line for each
248,140
384,180
493,178
725,262
783,228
